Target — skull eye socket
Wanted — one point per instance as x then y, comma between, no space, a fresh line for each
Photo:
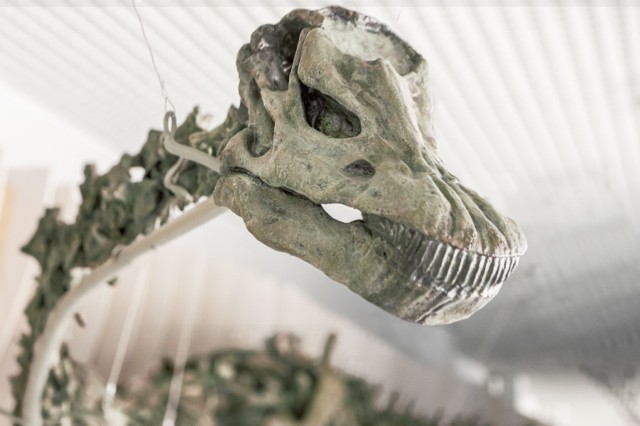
327,115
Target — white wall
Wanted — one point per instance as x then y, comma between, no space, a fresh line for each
32,136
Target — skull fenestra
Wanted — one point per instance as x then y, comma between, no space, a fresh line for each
337,110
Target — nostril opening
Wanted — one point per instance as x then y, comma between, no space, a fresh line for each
342,213
252,144
360,168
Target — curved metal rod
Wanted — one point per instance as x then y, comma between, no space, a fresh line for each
171,176
45,351
185,151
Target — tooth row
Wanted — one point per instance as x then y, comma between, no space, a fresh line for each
460,270
436,263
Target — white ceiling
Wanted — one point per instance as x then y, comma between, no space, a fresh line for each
537,108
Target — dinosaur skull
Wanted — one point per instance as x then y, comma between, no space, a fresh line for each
339,112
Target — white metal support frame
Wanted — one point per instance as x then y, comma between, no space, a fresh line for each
45,352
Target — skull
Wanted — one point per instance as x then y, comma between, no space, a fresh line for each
338,111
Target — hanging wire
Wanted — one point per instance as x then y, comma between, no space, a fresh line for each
184,152
190,311
399,15
169,114
163,86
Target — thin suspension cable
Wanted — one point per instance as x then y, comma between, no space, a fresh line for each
184,341
173,172
399,15
163,86
124,341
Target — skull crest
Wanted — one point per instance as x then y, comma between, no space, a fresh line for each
338,111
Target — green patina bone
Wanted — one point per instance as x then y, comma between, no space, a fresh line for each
278,385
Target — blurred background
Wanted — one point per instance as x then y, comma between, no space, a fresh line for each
537,107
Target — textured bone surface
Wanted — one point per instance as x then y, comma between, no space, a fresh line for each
339,111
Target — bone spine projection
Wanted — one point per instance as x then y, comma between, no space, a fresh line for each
338,111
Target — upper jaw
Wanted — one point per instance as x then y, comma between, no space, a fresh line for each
415,194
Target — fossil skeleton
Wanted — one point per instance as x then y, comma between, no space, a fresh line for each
339,112
335,109
275,386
